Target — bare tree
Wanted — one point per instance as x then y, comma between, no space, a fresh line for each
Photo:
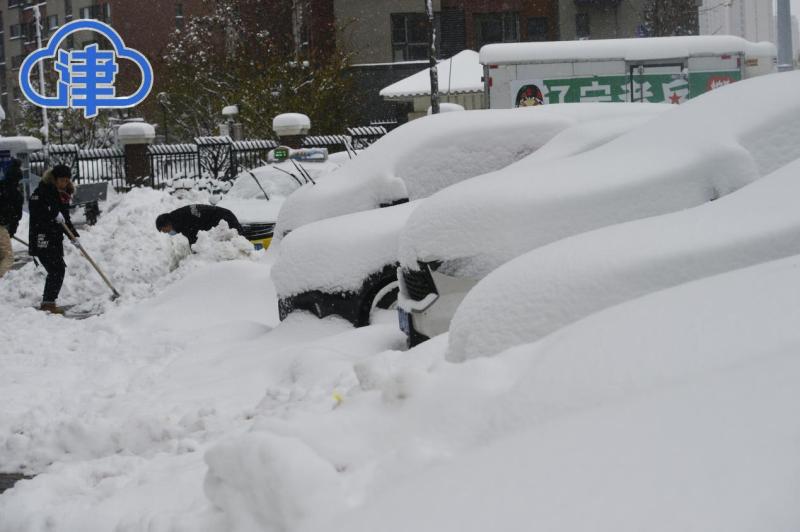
434,68
664,18
260,71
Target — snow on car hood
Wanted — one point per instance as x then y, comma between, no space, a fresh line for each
704,149
553,286
431,153
336,255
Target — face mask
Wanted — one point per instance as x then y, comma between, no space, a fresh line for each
173,233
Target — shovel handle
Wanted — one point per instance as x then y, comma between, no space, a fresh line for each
92,262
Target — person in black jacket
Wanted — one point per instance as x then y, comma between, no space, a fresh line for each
11,201
192,219
49,211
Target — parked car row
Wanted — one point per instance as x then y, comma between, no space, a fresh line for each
502,226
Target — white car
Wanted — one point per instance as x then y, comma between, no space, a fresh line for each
257,195
347,265
700,151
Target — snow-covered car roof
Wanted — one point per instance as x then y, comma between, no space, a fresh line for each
702,150
622,49
278,180
553,286
434,152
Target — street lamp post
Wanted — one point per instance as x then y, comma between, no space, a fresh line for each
45,124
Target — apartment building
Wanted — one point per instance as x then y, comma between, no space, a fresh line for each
751,19
600,19
145,25
388,39
389,31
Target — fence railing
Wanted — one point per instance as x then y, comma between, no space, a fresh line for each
208,157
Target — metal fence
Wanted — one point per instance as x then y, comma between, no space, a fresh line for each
208,157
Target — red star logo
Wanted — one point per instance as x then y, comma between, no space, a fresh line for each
675,98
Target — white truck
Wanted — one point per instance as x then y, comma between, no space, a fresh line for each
658,69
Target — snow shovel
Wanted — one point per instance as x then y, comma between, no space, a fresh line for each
93,263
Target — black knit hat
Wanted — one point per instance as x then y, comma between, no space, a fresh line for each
62,170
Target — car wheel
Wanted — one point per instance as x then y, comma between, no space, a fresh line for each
381,294
386,298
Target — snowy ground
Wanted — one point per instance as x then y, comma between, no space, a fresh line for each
114,413
186,406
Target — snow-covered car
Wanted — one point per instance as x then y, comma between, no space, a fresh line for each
704,149
359,250
430,154
257,195
553,286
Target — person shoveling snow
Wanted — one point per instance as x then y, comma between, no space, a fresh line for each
192,219
49,217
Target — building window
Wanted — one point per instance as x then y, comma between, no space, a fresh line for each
15,31
537,29
52,22
98,12
582,27
68,9
410,38
16,61
179,19
496,27
15,3
17,93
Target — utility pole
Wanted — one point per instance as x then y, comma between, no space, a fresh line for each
45,123
785,53
434,69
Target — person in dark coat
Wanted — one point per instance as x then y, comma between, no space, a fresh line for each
11,201
49,211
192,219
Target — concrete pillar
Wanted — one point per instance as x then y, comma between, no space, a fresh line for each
135,136
291,129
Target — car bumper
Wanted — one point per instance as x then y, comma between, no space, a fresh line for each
259,234
430,315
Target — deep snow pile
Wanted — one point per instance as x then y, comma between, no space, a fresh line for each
114,413
682,400
188,411
138,259
550,287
